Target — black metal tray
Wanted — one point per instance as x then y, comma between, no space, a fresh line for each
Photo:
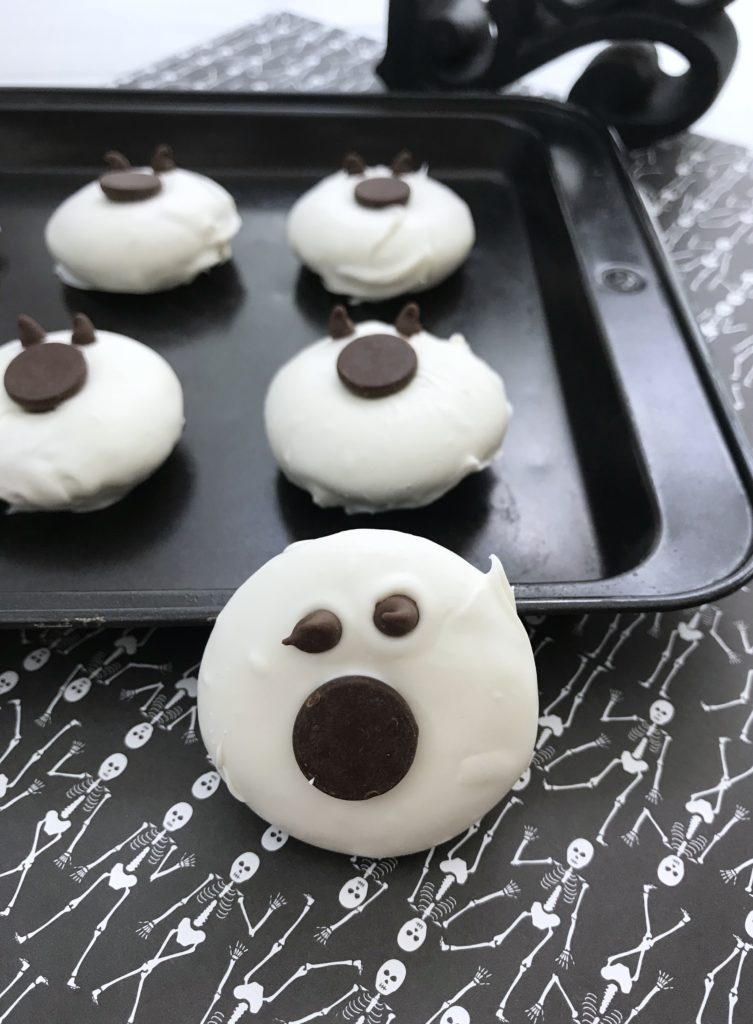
624,481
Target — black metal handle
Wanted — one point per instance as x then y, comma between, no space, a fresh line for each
472,45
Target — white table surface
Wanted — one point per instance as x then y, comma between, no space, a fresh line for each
92,43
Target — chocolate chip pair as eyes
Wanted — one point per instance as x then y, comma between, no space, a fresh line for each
321,630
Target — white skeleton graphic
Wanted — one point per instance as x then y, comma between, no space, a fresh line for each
433,902
649,736
253,998
89,794
686,843
740,953
366,1007
166,712
563,882
691,635
80,680
451,1012
744,700
618,976
6,783
553,724
150,845
19,976
218,897
353,893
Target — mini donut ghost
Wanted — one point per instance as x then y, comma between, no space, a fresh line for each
142,229
384,416
370,692
85,416
376,232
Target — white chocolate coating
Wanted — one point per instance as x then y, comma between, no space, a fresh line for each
400,451
96,446
466,671
376,254
147,246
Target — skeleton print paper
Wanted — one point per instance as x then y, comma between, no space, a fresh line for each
614,884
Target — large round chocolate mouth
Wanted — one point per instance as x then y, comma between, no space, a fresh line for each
355,738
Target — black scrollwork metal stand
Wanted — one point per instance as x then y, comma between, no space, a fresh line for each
478,45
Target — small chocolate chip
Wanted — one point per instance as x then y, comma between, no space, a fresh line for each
355,738
83,330
29,331
353,163
403,162
377,365
129,186
163,159
378,192
396,615
316,632
340,325
408,321
116,161
43,376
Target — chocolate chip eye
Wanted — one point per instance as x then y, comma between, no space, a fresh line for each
316,632
396,615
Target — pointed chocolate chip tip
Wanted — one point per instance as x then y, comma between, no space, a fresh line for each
83,330
408,320
163,159
116,161
403,163
29,331
353,163
340,325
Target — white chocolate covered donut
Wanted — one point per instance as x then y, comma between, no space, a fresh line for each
370,692
148,245
401,450
376,253
95,444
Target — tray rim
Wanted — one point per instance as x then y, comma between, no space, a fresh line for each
179,607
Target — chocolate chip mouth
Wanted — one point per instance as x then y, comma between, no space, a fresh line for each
355,738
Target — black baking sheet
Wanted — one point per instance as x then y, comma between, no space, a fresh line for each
619,449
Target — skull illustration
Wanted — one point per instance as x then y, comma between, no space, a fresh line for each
244,867
112,766
455,1015
177,816
522,782
7,681
36,659
353,893
579,853
749,924
661,712
412,934
206,785
77,689
138,735
671,870
390,977
273,838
